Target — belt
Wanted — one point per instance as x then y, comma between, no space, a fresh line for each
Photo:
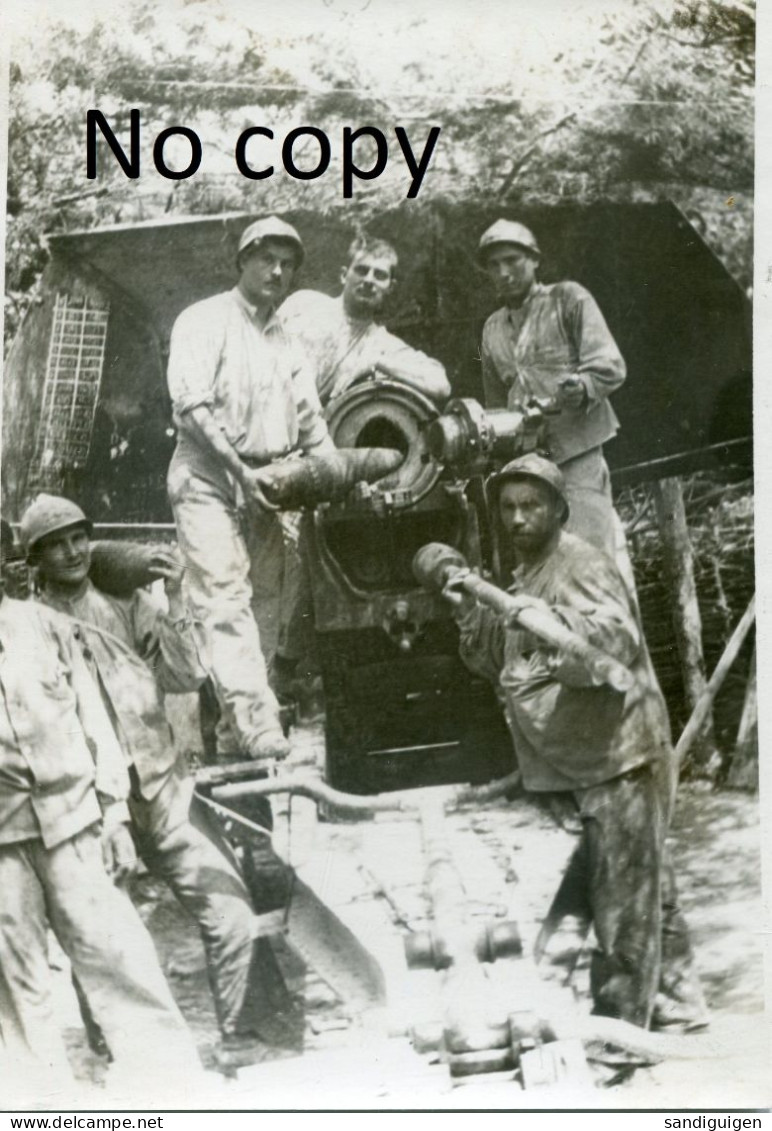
256,462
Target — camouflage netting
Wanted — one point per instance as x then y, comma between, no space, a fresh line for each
720,520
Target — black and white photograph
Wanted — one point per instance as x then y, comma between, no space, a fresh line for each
378,667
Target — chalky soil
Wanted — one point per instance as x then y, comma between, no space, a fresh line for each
510,855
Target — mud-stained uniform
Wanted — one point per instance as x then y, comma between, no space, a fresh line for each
264,399
137,654
611,753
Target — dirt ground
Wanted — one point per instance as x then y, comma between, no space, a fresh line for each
510,855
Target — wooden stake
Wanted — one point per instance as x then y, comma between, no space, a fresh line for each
687,623
712,687
744,770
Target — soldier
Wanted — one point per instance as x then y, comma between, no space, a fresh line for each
552,341
342,337
344,344
138,653
607,753
63,822
241,398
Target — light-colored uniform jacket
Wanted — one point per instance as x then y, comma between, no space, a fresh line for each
340,348
137,654
58,752
559,332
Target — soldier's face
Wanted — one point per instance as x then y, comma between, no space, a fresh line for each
267,272
530,513
367,283
512,270
64,557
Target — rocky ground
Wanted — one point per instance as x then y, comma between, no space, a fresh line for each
510,855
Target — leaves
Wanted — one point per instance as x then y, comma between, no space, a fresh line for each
634,100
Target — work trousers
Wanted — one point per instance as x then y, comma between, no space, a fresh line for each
296,615
235,566
208,887
111,953
621,878
592,515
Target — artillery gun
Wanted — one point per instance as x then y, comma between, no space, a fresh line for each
401,709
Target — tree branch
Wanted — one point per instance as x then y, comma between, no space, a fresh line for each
526,156
59,201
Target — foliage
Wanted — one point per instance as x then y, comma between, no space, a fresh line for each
631,99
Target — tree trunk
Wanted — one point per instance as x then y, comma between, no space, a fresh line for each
687,623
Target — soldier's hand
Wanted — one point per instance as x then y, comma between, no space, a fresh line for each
366,373
167,565
254,482
118,852
572,393
456,596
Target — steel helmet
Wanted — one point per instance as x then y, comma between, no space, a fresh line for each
530,466
45,515
271,227
507,231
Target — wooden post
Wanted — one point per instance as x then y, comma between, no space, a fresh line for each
744,770
687,623
705,702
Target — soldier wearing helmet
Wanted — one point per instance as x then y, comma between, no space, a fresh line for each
138,652
242,397
552,341
50,514
63,827
607,753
